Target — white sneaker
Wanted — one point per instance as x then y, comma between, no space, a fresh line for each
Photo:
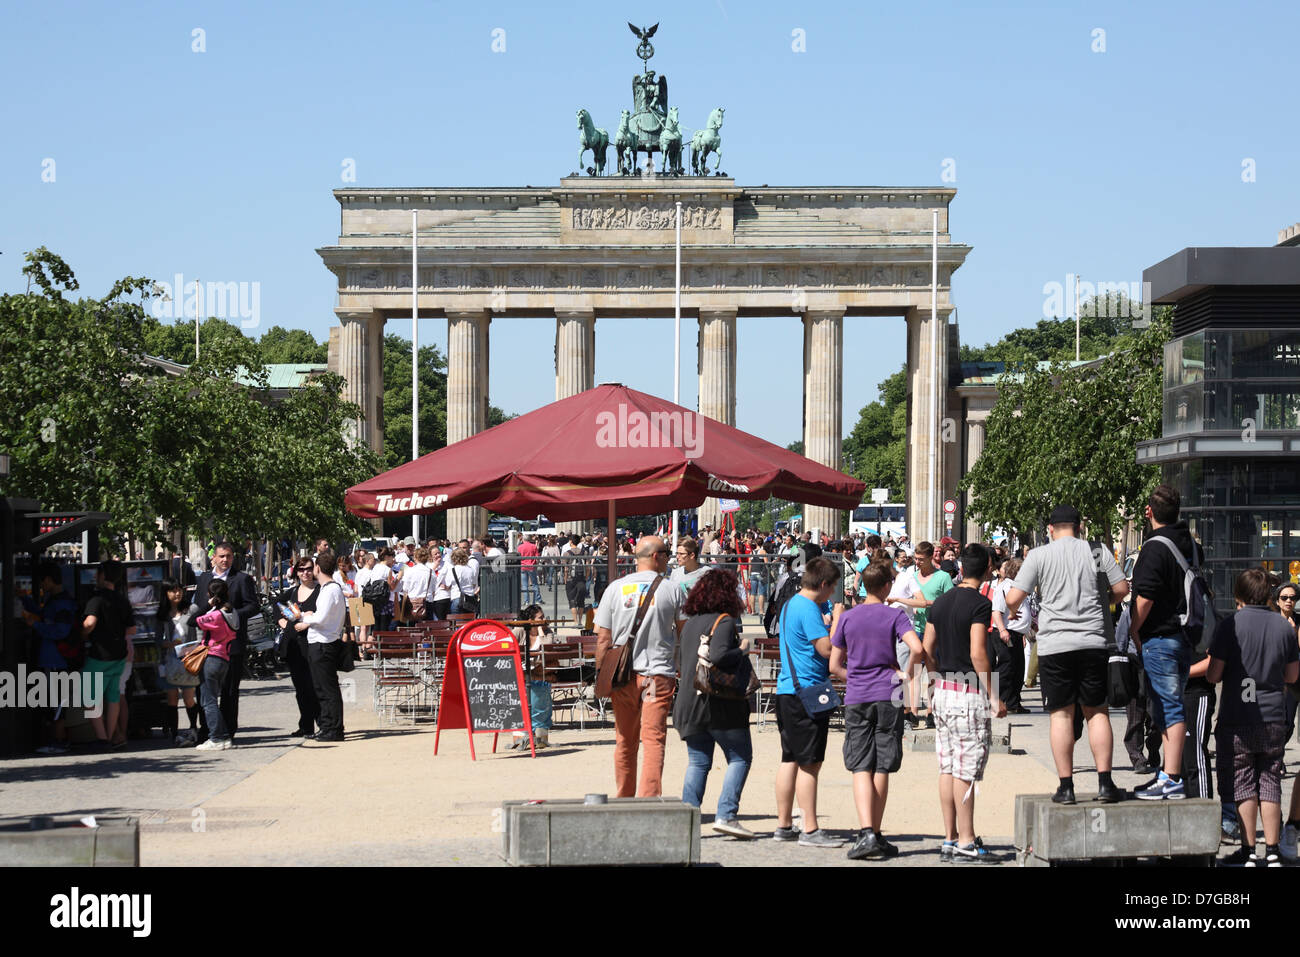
227,744
210,745
1290,838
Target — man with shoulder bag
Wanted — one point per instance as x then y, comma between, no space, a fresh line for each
243,596
805,700
326,653
636,657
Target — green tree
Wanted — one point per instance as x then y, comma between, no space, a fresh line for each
175,341
280,345
70,375
1063,434
92,426
1102,321
876,450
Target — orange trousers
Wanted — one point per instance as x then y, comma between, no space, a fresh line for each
641,709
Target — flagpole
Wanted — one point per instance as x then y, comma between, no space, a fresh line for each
677,344
415,360
1076,317
940,375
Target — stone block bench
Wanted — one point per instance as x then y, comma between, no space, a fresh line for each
1053,835
923,740
624,831
63,841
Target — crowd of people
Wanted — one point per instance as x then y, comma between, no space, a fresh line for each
940,636
203,633
885,625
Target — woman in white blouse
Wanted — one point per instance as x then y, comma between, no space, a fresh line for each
460,578
415,583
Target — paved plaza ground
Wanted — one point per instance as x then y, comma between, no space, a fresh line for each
383,798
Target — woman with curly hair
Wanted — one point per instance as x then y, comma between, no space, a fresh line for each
713,609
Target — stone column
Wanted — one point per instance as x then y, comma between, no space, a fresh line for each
974,448
375,398
929,434
716,367
823,377
575,372
467,401
575,351
354,367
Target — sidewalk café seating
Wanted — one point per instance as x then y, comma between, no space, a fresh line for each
398,682
566,666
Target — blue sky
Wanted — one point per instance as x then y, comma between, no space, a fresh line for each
220,164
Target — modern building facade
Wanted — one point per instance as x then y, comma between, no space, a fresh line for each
1230,440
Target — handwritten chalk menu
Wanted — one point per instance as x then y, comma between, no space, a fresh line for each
483,688
492,693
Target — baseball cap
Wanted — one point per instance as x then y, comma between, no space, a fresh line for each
1064,515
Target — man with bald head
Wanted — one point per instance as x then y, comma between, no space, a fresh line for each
641,706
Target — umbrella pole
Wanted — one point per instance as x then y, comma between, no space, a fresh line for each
612,539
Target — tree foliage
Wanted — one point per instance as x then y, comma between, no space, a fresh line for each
93,426
1102,321
876,450
1068,435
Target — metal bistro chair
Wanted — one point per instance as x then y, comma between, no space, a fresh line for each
562,667
767,665
434,640
597,705
397,682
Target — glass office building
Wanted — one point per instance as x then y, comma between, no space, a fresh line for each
1231,421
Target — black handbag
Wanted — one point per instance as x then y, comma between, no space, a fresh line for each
1121,678
735,685
815,698
343,650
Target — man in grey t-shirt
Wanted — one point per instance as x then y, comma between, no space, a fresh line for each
1072,657
641,706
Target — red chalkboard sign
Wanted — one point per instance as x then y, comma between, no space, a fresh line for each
483,687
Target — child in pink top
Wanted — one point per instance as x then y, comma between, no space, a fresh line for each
218,626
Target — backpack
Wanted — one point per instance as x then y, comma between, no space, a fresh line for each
376,590
1199,618
787,586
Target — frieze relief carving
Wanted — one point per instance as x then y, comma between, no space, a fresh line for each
645,216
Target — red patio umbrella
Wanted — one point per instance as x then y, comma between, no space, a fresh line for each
605,452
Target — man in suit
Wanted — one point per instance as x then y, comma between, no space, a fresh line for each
243,595
182,572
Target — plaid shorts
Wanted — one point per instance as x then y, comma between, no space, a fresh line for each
1256,755
963,731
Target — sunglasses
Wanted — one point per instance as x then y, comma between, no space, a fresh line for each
1286,597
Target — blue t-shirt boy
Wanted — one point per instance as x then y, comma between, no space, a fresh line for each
802,625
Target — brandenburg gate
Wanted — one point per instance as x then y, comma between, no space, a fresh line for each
602,246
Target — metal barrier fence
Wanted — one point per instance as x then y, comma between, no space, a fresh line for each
561,585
